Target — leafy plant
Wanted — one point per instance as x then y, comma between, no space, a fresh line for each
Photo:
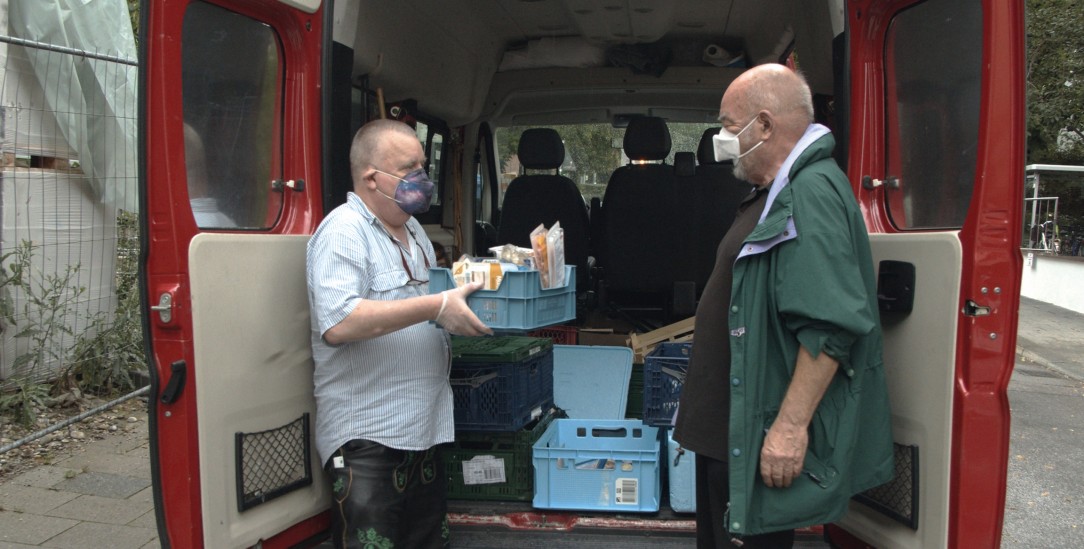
110,351
41,317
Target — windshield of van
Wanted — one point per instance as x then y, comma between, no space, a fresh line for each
592,152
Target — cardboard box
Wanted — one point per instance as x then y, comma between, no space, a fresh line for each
603,336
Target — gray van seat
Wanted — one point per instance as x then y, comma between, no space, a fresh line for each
532,200
637,231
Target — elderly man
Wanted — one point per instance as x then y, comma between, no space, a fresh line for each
383,399
785,403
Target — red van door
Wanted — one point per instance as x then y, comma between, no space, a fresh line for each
230,128
937,161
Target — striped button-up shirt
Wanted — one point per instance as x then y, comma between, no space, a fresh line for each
391,389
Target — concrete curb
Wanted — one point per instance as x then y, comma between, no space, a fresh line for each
1031,356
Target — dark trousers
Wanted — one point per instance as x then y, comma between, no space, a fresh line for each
384,498
712,495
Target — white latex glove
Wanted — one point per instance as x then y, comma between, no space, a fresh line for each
455,315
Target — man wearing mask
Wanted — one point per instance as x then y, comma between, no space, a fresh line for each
383,399
785,403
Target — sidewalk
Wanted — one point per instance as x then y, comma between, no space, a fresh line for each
100,496
96,497
1052,337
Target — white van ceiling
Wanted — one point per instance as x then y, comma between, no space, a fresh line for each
445,53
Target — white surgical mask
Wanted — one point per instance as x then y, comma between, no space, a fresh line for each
727,146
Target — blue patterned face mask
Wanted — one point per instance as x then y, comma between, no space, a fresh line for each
413,192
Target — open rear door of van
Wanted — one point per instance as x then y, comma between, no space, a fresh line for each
937,161
226,152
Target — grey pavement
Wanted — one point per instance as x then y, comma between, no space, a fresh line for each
100,495
1052,337
94,497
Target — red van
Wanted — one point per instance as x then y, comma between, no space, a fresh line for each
247,112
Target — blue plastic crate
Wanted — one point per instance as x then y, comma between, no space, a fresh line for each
664,374
597,465
681,469
519,303
501,396
591,381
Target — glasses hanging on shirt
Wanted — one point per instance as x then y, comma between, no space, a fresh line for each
411,280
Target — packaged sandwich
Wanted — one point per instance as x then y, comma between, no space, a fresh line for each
540,253
555,248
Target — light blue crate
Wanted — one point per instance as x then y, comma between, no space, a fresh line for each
682,474
591,381
597,465
519,303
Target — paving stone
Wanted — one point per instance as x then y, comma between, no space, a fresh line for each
146,520
100,509
31,529
31,499
42,476
153,544
120,444
103,484
145,495
9,545
92,534
103,462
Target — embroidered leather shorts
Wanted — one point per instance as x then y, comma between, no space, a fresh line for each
385,498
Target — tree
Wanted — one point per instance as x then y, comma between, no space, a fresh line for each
1055,81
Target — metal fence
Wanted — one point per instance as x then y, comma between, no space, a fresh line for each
68,199
1041,224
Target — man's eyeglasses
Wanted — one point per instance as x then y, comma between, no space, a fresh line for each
411,280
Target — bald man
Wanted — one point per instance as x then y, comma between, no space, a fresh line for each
785,402
383,397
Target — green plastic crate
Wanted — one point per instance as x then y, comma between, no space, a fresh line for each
476,350
513,448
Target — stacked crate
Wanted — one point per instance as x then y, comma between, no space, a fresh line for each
665,369
503,392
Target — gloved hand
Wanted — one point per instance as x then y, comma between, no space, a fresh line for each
455,315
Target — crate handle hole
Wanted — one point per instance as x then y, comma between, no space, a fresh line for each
617,432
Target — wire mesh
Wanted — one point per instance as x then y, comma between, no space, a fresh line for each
272,463
898,498
68,198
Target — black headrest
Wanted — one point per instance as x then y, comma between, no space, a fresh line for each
541,149
705,153
684,164
647,138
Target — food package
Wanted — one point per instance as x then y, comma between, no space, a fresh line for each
540,254
555,247
548,247
511,253
490,272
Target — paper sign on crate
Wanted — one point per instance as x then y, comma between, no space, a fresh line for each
484,470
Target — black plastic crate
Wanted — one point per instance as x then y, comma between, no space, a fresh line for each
664,374
501,383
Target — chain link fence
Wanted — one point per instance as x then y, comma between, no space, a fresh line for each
69,305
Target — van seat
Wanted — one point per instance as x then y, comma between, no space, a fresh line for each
637,233
537,199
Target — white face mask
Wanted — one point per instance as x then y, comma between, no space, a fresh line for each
727,146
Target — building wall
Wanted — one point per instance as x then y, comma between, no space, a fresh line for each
1058,280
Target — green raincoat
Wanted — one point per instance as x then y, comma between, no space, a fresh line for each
805,277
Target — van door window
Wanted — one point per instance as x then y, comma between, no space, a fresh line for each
933,80
231,96
431,135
